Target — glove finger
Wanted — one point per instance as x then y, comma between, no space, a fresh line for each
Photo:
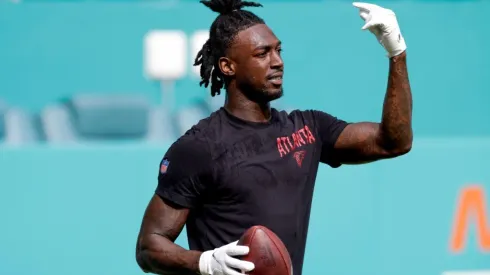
366,26
370,24
229,271
364,15
364,6
237,250
239,264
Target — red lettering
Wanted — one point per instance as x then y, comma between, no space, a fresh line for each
299,138
291,144
299,132
285,144
295,140
281,150
309,136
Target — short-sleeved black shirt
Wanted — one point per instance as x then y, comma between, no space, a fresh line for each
234,174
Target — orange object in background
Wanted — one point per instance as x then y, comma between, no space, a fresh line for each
471,208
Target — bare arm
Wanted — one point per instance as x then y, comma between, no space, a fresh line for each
156,251
367,141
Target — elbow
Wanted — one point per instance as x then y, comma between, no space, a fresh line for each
141,260
407,145
147,258
401,149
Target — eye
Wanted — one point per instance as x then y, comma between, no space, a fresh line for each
262,54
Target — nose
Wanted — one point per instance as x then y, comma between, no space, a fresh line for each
276,61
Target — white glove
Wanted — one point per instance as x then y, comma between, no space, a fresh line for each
220,261
383,24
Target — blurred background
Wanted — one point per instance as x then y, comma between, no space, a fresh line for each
92,93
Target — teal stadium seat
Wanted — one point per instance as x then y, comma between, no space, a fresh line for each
57,125
18,126
3,108
21,127
161,127
96,117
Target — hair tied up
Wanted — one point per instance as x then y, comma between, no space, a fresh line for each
221,35
225,7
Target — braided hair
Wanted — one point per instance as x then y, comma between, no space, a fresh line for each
225,27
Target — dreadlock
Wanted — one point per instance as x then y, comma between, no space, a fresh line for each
231,20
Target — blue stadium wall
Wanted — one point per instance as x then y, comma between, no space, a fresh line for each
77,210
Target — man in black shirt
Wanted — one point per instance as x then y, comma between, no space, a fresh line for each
249,164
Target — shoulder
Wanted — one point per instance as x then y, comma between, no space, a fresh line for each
188,146
311,115
321,122
305,116
194,145
187,157
205,128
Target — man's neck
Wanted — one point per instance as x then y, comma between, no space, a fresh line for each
240,106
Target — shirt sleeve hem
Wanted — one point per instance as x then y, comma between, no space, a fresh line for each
175,198
335,136
337,133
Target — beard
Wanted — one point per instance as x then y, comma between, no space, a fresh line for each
262,96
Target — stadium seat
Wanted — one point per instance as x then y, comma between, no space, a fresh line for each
20,127
57,124
88,117
160,125
188,117
100,116
3,109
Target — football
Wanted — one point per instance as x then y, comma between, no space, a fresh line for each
267,252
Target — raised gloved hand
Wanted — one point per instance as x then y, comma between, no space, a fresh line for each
383,24
221,261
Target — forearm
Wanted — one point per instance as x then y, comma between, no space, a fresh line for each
165,257
396,125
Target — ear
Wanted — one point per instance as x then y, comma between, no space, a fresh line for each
226,66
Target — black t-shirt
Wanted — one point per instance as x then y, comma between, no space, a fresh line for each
234,174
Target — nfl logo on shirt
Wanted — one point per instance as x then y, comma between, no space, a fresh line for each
164,166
